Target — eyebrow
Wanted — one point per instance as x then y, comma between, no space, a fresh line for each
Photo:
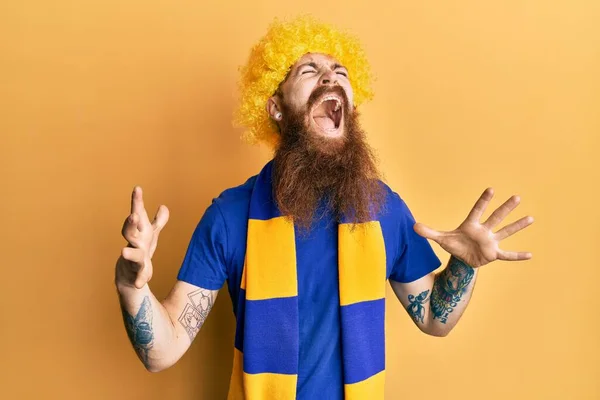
334,66
308,64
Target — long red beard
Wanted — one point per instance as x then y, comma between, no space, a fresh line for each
310,170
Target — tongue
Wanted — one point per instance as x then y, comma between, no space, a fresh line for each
325,122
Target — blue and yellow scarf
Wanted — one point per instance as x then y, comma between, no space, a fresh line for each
265,365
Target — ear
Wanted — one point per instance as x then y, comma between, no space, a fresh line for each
273,108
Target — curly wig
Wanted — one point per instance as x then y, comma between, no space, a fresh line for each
270,62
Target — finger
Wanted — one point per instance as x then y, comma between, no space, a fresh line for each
161,218
131,227
427,232
134,255
514,255
143,276
501,212
513,228
481,205
137,203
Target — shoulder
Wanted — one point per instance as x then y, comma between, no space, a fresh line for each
393,205
232,203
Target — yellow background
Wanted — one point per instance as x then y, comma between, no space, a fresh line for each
97,96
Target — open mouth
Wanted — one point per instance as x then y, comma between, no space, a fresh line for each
328,114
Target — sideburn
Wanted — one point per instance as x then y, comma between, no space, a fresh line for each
313,175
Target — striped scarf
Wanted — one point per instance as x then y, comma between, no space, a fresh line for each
265,365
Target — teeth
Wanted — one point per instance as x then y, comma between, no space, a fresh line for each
337,101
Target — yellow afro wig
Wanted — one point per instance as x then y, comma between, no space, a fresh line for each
271,59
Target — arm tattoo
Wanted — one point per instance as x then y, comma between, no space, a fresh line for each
449,288
139,329
195,312
415,308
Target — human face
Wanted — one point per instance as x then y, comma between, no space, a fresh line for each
325,114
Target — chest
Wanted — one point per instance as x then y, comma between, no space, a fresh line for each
317,264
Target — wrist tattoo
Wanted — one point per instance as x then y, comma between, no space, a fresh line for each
195,312
416,309
139,329
449,288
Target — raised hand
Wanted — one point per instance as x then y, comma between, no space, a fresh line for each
475,243
135,266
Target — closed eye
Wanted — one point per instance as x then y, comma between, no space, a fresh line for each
342,73
308,71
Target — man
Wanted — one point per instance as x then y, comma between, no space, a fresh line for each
306,245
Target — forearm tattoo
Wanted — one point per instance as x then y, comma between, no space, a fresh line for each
139,329
449,287
416,309
195,312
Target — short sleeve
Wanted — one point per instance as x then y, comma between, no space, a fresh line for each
415,257
205,263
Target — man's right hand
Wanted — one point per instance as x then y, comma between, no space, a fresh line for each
134,266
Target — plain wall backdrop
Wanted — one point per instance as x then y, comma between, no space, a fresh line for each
98,96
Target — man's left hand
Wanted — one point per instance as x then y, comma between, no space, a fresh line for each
475,243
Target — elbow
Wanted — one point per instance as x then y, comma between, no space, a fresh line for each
437,332
162,360
155,367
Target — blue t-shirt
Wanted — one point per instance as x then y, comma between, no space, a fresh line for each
216,254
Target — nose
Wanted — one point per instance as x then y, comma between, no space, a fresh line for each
329,78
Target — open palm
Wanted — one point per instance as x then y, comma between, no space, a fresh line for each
474,242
